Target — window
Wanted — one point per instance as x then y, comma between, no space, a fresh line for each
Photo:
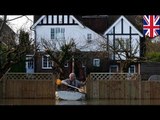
89,37
113,68
131,69
96,62
58,33
46,62
30,62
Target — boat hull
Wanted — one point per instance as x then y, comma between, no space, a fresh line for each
70,95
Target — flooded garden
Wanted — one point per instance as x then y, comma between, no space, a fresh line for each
83,102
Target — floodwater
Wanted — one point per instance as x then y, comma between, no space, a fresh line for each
84,102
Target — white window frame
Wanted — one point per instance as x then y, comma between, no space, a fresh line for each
95,63
111,67
57,33
47,67
129,69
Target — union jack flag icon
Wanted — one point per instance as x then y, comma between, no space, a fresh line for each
151,25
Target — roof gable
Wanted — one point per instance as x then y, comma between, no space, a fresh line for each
125,20
50,17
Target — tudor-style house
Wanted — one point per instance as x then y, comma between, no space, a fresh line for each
88,32
60,28
124,34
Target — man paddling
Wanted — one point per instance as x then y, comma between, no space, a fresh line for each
73,82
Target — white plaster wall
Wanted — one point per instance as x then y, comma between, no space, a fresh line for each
118,27
75,32
134,43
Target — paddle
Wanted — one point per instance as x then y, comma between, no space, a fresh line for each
58,82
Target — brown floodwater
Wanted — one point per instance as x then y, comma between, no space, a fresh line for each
84,102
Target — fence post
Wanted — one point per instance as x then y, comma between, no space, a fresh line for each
3,86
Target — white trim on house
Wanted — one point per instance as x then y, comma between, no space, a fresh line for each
80,24
114,24
35,24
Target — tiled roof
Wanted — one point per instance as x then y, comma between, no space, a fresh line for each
101,23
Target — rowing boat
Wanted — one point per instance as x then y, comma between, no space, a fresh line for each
70,95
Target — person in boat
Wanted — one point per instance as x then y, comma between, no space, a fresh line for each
73,82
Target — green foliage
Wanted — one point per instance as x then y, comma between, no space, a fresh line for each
19,67
13,56
152,50
153,56
3,56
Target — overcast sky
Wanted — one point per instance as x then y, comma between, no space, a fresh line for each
22,22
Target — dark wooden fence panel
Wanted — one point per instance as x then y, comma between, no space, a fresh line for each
99,86
21,85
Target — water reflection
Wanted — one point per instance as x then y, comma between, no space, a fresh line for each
27,102
85,102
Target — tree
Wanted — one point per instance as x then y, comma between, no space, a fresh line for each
124,51
14,50
152,49
59,55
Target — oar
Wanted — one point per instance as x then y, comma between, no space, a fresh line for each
58,82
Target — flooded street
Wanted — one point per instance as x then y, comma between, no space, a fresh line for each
85,102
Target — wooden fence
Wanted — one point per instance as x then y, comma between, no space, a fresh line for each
120,86
22,85
99,85
1,89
